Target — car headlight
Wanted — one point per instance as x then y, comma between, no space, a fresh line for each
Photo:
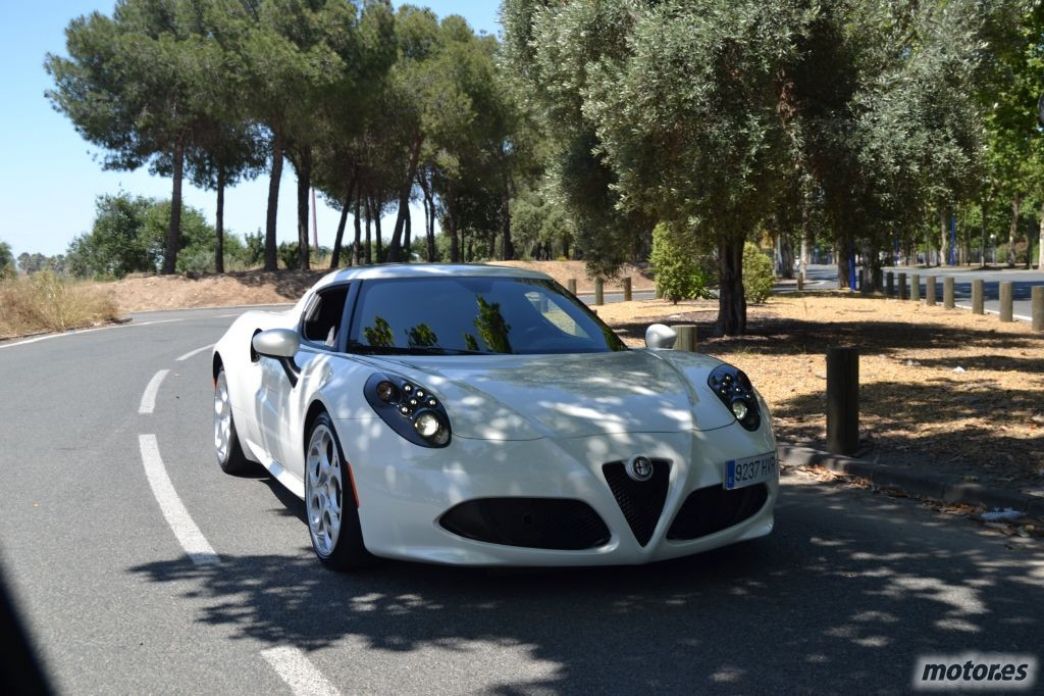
410,409
734,389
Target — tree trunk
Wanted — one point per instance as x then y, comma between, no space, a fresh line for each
377,229
944,239
170,257
395,246
273,203
219,224
335,256
358,229
429,223
732,305
509,247
1016,203
369,219
1040,247
452,224
408,236
304,185
842,267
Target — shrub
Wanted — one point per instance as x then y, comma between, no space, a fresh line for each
288,253
675,260
45,302
757,274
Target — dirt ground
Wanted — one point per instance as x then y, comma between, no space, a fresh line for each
949,389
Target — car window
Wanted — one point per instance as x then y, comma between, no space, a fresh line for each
474,315
323,318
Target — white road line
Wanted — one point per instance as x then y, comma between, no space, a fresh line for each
191,539
193,353
298,672
148,399
78,332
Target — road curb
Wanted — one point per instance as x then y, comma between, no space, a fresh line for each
921,484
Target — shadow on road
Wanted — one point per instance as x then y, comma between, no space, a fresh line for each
844,595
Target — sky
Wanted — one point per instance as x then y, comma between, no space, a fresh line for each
50,177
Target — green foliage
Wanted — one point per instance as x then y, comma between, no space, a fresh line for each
757,274
7,267
289,254
676,263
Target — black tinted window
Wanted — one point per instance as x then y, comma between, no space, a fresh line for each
323,320
474,315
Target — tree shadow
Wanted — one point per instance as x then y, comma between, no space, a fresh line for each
845,595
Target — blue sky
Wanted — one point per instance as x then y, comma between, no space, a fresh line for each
49,177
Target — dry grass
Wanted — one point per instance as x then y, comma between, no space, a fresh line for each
45,303
983,422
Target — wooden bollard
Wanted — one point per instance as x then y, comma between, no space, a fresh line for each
801,281
948,302
915,287
977,302
1037,305
627,288
902,286
889,284
842,400
866,281
929,290
571,285
1006,298
599,291
686,339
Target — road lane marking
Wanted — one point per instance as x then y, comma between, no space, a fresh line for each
194,353
298,672
191,539
78,332
148,398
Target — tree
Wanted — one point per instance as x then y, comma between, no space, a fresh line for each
115,246
130,85
7,260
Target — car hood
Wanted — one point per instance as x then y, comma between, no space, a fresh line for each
527,397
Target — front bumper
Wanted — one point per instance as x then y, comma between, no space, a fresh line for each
404,491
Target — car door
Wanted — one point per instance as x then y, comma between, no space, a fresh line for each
282,402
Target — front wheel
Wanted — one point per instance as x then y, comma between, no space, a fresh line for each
333,519
229,453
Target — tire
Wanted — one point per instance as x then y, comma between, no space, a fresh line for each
229,453
333,518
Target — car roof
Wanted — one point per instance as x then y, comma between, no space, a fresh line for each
426,270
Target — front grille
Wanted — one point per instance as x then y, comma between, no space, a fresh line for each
712,509
640,501
536,523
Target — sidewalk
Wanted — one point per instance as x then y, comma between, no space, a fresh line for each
911,480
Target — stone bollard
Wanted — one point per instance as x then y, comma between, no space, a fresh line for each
686,339
842,400
915,287
627,289
889,284
1006,298
948,302
902,286
977,301
599,291
571,285
929,290
1037,307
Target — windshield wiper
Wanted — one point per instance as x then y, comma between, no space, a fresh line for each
411,350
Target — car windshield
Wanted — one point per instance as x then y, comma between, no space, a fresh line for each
469,315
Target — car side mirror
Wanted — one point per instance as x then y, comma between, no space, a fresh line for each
660,337
281,344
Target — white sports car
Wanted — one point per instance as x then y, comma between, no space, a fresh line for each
484,415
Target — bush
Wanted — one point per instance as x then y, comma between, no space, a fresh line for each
675,260
45,302
757,274
288,253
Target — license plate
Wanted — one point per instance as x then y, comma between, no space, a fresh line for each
749,470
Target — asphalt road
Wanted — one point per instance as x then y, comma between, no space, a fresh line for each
844,596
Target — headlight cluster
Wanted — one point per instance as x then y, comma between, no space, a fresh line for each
409,409
734,389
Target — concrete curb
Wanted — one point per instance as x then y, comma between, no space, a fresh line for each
926,485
